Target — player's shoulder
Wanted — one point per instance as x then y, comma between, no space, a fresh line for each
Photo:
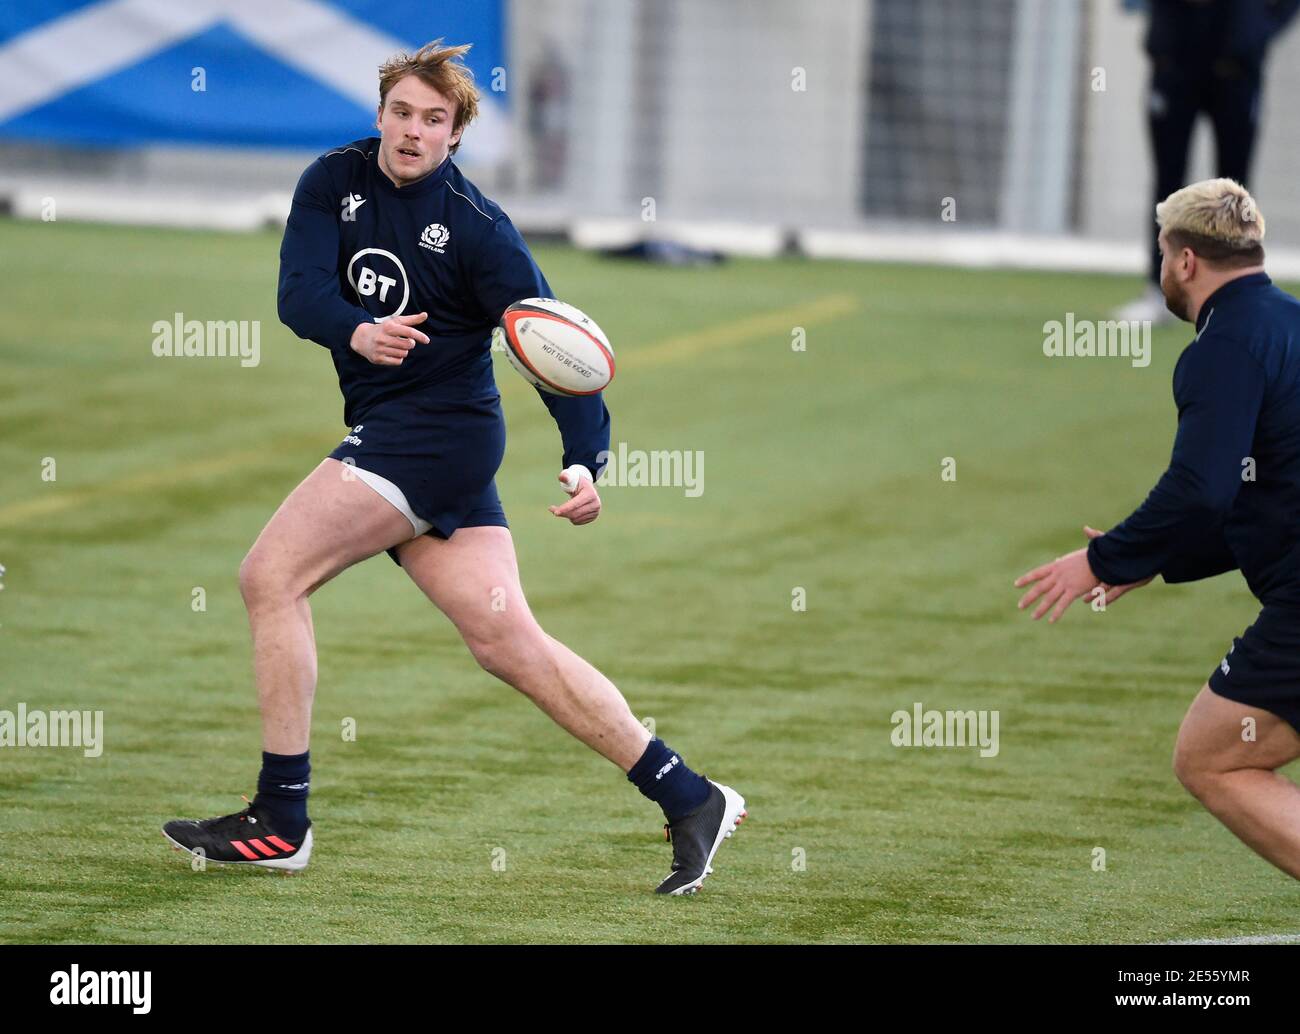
1256,324
1239,309
340,164
1275,339
358,152
471,205
1283,304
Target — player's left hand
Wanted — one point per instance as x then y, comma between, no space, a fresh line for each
1059,583
1114,592
583,506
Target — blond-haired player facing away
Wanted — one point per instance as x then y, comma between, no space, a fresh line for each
1230,500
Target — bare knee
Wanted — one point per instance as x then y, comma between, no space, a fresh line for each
263,583
1206,775
510,653
1220,739
1192,771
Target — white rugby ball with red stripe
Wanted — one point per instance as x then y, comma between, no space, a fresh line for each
557,347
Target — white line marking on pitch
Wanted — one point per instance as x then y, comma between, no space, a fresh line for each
1267,938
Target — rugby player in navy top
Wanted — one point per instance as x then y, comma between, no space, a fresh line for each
1230,500
400,267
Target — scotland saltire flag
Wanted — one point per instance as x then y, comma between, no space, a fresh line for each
298,74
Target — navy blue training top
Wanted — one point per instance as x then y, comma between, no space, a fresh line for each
357,249
1231,496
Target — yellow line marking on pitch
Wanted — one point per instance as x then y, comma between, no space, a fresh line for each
737,332
159,477
670,350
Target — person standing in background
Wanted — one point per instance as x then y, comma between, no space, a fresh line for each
1206,56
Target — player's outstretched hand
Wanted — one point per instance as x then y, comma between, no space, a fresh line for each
1114,592
386,344
1059,584
583,506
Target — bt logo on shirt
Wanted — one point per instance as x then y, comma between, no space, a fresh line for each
380,281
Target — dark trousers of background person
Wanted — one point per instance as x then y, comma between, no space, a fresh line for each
1225,89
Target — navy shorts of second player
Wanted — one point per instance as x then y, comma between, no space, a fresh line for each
1262,668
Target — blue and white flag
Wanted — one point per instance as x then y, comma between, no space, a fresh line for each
299,74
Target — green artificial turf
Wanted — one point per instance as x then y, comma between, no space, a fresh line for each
822,473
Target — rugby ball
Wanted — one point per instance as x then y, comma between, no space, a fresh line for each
557,347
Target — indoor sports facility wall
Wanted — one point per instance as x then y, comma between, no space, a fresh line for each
1115,163
1029,113
999,130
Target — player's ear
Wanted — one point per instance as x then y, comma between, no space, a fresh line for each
379,113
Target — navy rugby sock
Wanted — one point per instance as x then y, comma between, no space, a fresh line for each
662,775
282,791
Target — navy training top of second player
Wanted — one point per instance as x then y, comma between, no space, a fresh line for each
357,248
1231,495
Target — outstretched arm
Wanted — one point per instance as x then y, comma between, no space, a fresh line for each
1209,556
1219,388
1178,530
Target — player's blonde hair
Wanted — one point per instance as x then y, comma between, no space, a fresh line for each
1217,219
441,68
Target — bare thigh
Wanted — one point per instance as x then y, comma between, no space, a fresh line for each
1220,735
328,523
473,578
